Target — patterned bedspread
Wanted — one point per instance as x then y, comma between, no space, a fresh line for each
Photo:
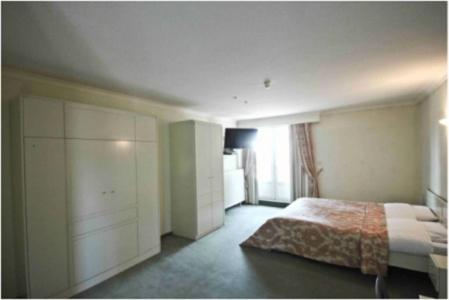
345,233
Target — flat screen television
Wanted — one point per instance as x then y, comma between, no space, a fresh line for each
239,138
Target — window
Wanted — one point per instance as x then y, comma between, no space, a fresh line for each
273,164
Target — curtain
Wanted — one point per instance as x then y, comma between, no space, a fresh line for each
304,172
249,167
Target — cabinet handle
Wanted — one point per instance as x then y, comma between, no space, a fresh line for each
103,193
112,192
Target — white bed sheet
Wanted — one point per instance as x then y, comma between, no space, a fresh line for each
408,236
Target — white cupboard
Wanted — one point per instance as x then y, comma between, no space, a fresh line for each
234,181
86,194
196,178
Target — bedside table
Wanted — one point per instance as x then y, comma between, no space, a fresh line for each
438,273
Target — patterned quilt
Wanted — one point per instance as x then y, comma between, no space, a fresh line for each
345,233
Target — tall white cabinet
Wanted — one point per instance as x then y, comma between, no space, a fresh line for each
86,194
196,178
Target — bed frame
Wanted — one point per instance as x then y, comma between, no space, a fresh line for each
420,263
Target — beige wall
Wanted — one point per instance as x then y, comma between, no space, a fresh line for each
434,142
369,155
15,83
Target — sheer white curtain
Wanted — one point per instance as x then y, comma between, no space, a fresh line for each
250,171
273,164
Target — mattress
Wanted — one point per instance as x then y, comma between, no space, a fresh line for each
439,248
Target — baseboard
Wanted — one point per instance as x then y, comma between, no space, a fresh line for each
78,288
235,205
274,204
167,234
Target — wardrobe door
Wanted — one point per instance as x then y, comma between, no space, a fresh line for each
101,177
216,157
216,164
148,196
46,216
203,157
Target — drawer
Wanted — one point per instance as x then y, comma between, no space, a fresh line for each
103,250
95,223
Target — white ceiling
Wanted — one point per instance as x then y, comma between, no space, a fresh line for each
200,55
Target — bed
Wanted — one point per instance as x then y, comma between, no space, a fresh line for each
365,235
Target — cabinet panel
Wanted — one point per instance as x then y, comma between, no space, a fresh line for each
234,187
146,128
203,157
204,218
43,117
103,250
217,213
90,123
101,176
148,195
46,216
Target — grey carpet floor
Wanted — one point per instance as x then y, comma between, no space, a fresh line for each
216,267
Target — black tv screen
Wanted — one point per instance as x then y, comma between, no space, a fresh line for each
239,138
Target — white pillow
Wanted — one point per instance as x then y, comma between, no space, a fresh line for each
423,213
399,211
437,232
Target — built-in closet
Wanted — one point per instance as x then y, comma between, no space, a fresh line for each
86,194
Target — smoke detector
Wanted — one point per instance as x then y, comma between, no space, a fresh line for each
267,83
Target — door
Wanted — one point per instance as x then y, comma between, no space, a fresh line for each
46,216
273,164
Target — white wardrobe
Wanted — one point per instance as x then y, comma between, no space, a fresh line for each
196,178
86,194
